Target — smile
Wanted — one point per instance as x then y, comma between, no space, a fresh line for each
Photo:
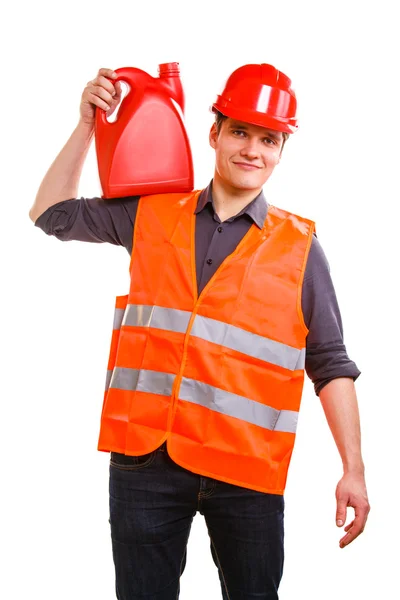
246,166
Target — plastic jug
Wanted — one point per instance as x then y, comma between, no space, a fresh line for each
146,150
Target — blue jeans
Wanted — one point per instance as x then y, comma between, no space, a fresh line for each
152,504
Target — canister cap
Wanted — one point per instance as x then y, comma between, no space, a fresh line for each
169,69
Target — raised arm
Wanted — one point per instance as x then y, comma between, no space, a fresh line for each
62,179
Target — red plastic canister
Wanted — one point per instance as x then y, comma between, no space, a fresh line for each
146,150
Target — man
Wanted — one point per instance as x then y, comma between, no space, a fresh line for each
230,299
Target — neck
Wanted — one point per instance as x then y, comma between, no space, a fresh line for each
229,201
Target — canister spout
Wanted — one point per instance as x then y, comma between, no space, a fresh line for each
170,75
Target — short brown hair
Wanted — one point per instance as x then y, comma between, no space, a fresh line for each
220,118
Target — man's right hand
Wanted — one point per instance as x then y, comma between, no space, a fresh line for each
101,93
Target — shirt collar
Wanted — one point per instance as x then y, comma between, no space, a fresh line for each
257,209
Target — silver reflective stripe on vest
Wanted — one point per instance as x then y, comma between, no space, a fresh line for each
158,317
248,343
156,382
124,379
142,380
226,403
217,332
118,316
236,406
108,378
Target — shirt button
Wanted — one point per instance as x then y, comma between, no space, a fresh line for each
209,262
219,229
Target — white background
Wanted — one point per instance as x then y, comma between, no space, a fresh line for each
340,169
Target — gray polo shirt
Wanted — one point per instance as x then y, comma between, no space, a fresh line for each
97,220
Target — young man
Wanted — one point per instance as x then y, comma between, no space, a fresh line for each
230,301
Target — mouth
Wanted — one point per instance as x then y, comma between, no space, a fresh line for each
246,166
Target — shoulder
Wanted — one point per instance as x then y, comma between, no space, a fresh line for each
172,199
317,263
127,205
279,215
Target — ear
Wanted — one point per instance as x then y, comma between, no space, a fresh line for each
213,136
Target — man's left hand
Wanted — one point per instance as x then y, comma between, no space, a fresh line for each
351,491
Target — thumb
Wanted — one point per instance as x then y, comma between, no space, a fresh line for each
341,513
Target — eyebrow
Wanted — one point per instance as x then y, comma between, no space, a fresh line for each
274,135
271,133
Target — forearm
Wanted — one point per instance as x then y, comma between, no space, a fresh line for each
62,179
339,401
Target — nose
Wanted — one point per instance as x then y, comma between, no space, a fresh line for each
250,149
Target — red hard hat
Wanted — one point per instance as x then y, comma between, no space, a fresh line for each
261,95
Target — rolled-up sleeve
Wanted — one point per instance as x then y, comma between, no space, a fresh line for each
326,354
92,220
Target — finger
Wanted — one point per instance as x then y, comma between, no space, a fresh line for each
341,512
354,531
106,84
347,539
116,95
348,526
99,92
361,511
116,100
102,88
107,73
112,109
118,89
93,98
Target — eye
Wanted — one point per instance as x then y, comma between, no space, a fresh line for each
270,141
239,132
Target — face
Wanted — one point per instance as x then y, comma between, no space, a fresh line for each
245,154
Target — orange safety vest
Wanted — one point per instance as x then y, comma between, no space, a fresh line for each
220,375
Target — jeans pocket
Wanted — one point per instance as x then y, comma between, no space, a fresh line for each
131,463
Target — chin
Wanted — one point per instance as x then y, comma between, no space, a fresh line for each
246,184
